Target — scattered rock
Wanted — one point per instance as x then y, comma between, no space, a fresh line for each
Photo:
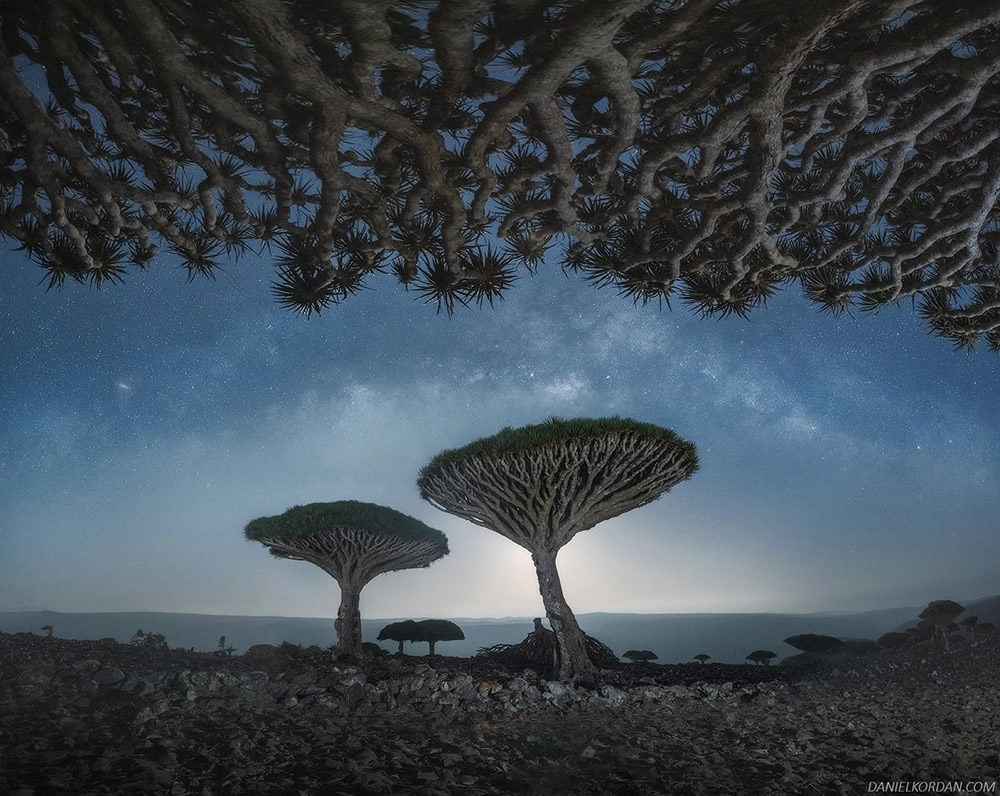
89,717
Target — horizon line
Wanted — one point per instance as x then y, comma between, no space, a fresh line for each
831,612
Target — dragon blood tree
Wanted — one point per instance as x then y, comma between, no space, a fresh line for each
940,614
399,632
541,485
434,630
353,542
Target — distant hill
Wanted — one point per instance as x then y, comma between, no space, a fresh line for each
675,638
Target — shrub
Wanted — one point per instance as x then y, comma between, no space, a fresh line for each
373,650
895,640
223,649
861,646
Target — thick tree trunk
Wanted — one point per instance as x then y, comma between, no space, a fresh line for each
571,648
400,647
432,643
348,624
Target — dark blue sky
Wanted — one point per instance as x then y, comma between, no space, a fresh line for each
846,463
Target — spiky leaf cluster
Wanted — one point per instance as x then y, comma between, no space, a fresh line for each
709,151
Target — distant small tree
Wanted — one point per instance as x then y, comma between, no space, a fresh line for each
941,614
639,656
223,649
814,642
48,630
701,657
434,630
399,631
761,657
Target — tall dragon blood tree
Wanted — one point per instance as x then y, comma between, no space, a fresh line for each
541,485
353,542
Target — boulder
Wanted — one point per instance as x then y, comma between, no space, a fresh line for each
262,655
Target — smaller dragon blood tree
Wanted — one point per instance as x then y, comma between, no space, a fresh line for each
940,614
353,542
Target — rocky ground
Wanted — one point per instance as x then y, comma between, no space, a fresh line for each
101,717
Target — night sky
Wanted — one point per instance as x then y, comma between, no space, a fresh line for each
847,463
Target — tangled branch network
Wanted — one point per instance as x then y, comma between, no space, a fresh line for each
694,149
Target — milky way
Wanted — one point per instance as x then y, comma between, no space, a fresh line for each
846,463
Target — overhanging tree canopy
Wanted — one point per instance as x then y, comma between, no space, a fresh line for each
541,485
353,542
707,150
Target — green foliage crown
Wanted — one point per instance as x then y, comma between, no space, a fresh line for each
301,521
556,430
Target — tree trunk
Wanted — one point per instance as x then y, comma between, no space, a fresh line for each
432,643
400,647
573,662
348,624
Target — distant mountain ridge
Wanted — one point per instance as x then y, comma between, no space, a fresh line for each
675,638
